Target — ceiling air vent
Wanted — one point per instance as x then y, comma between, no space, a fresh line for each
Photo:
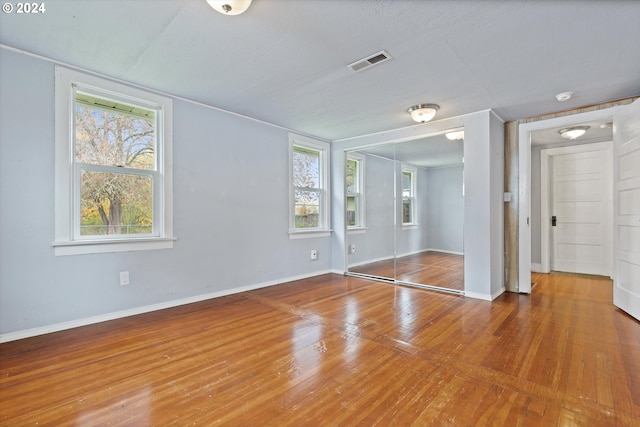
367,62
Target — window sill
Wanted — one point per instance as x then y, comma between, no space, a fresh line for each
409,226
308,234
356,230
80,247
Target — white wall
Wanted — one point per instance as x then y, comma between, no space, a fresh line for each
230,215
230,212
445,207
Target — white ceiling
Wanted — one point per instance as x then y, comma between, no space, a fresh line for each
429,152
599,131
285,61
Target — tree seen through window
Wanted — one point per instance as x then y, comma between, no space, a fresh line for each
115,156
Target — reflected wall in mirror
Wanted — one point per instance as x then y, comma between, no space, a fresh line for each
418,187
370,220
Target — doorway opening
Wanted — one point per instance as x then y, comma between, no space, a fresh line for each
532,139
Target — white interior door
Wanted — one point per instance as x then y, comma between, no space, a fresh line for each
581,211
626,136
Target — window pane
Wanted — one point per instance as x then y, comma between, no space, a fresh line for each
407,212
109,135
352,176
352,206
406,182
307,208
115,203
306,168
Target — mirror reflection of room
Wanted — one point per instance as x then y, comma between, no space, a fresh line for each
405,211
370,200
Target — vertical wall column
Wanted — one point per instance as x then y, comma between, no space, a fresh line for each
511,186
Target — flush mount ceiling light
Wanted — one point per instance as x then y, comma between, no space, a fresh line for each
422,113
573,132
456,135
230,7
564,96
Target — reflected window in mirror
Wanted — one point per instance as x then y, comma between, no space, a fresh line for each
355,191
409,195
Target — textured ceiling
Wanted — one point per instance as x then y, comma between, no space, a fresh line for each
599,131
285,61
430,152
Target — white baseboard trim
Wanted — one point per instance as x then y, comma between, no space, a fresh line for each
499,292
485,297
444,252
412,253
370,261
41,330
430,250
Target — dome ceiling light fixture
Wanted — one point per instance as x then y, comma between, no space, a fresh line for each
455,135
573,132
564,96
422,113
230,7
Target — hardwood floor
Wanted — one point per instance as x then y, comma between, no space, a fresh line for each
432,268
429,268
340,351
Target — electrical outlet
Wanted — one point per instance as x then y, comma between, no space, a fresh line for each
124,278
352,249
314,254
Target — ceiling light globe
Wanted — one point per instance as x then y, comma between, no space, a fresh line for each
230,7
564,96
573,132
422,113
455,135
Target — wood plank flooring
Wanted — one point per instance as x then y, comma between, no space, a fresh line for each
428,268
432,268
340,351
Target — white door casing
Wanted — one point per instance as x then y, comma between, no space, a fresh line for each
581,189
524,183
626,137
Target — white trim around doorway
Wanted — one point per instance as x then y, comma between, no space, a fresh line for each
524,183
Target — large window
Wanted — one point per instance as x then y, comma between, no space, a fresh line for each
408,195
355,191
113,178
309,186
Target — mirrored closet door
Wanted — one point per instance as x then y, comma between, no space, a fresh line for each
370,212
405,211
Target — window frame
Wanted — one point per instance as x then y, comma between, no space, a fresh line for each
359,194
324,217
68,240
413,172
